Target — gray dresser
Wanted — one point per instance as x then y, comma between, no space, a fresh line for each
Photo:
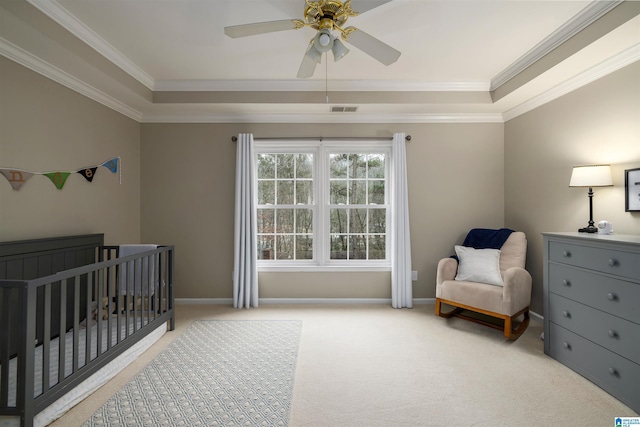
592,309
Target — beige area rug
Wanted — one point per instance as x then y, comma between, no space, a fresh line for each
218,373
375,366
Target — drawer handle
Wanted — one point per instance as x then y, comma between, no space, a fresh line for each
611,296
566,345
566,283
566,314
613,262
613,334
613,371
566,254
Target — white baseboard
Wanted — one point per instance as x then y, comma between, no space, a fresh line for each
325,301
229,301
535,316
217,301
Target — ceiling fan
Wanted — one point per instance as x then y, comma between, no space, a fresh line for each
325,16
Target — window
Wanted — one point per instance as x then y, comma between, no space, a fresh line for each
323,205
285,206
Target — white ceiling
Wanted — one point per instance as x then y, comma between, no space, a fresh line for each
448,47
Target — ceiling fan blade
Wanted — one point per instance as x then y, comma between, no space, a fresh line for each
260,28
307,67
362,6
373,47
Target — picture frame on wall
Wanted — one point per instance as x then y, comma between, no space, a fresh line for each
632,190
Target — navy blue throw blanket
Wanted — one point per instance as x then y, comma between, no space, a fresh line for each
485,238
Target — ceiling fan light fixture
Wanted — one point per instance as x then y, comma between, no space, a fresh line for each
323,41
339,50
314,54
325,17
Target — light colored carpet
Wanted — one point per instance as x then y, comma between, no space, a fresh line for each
218,373
372,365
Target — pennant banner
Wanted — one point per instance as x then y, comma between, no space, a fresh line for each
58,178
88,173
112,164
17,177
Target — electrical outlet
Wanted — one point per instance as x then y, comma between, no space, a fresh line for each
414,276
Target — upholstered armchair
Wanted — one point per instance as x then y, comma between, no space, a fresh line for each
487,280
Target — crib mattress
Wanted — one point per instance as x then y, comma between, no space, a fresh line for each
92,383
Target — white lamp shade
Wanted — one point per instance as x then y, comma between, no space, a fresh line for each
314,54
339,50
591,176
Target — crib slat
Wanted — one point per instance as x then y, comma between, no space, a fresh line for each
88,320
76,323
46,343
99,312
5,298
62,348
26,363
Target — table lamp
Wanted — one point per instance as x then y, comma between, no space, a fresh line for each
591,176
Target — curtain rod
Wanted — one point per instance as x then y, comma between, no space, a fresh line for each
324,138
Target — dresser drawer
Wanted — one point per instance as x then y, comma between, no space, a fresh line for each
614,296
602,259
618,335
613,373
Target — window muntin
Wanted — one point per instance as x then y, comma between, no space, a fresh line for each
357,206
323,205
285,206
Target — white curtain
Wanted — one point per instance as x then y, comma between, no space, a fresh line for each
401,286
245,272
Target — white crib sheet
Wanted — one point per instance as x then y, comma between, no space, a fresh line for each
88,386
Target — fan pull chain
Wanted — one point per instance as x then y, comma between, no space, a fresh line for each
326,78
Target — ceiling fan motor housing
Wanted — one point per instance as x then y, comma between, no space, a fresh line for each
328,13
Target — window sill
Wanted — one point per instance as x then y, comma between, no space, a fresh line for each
322,268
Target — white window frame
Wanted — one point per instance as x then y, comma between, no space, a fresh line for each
321,206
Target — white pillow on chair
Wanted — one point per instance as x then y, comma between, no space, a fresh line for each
479,265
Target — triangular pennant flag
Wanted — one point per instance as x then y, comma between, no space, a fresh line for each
112,164
16,177
88,173
58,178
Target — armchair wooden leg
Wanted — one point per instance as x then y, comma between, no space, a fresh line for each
507,327
449,314
511,334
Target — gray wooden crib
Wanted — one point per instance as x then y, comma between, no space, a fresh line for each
68,307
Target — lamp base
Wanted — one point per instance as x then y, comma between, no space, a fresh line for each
589,229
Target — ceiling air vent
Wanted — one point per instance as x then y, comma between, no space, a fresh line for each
343,109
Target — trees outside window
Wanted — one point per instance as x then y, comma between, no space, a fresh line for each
322,205
357,209
285,206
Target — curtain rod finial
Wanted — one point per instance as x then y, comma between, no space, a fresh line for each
408,137
234,138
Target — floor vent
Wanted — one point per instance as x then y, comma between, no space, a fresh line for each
343,109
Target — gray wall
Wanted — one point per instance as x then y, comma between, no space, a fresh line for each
177,179
597,124
47,127
188,170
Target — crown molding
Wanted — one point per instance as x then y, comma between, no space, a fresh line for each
32,62
316,85
622,59
582,20
326,118
59,14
